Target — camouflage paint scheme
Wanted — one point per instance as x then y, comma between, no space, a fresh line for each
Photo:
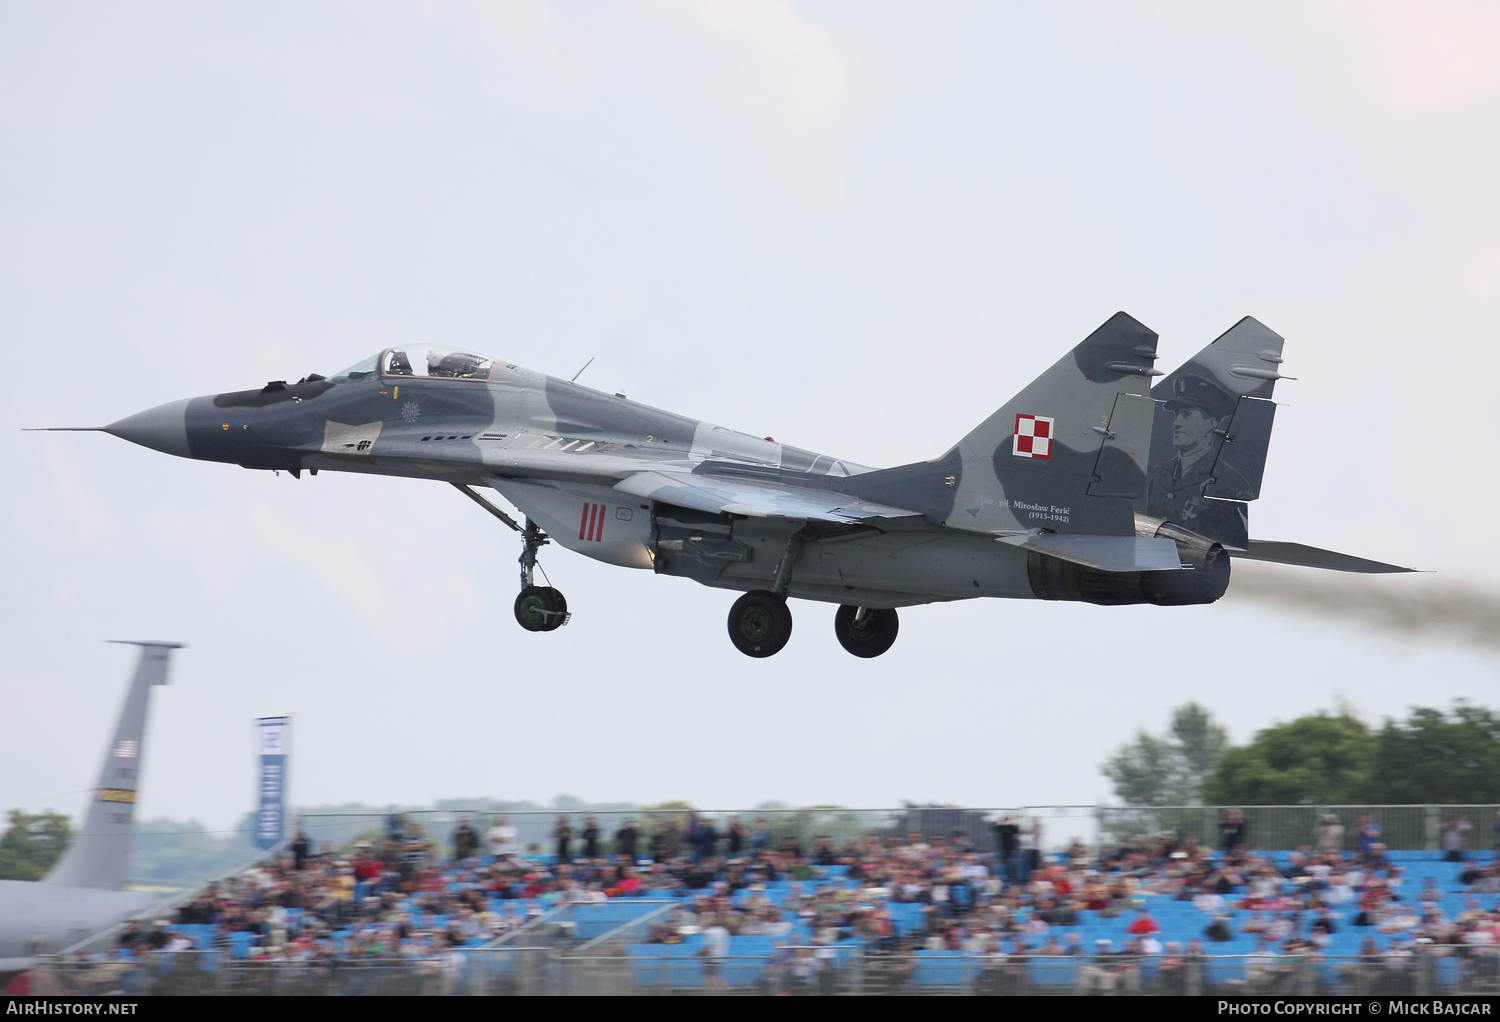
1072,490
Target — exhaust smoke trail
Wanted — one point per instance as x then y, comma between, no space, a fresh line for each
1425,609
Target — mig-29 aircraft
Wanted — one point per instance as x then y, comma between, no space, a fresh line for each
1088,485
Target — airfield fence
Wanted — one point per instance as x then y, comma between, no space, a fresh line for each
1403,827
616,971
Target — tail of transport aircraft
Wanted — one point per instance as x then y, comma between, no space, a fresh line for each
98,855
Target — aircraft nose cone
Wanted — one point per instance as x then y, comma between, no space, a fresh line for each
163,428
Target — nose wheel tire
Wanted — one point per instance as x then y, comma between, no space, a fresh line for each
541,609
760,624
868,637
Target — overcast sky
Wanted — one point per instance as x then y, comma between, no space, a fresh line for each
856,227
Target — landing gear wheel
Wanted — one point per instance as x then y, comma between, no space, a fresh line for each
541,609
868,637
759,624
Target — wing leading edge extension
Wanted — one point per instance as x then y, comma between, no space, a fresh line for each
755,498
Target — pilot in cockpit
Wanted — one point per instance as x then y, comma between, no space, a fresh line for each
459,364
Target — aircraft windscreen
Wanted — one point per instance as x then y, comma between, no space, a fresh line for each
432,361
363,371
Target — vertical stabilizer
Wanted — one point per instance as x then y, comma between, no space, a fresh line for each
1068,453
97,857
1212,433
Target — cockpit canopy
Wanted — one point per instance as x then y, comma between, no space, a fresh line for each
428,361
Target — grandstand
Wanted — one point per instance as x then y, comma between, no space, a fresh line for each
872,910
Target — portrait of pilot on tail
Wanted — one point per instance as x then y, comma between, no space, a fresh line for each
1201,412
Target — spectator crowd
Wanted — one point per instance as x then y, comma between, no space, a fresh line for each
1168,902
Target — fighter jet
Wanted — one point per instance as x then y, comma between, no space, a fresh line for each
1088,485
83,894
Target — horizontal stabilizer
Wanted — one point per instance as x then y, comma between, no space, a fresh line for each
1105,553
1313,557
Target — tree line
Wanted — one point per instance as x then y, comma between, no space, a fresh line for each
1432,756
171,853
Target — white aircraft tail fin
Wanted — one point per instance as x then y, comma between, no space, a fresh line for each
97,857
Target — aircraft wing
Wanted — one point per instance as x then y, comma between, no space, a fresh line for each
586,465
755,498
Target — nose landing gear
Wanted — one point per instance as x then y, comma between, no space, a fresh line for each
541,609
538,608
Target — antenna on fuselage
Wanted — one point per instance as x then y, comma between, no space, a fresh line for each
580,372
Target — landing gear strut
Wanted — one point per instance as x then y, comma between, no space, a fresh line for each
760,623
538,608
864,631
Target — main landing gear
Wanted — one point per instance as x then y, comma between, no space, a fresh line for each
760,625
759,622
865,631
538,608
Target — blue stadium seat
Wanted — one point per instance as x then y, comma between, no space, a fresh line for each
749,957
1052,972
1226,970
907,917
677,965
595,920
647,965
943,968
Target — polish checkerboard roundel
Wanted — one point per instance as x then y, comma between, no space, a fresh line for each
1033,437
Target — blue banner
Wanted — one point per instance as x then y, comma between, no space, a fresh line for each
271,735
